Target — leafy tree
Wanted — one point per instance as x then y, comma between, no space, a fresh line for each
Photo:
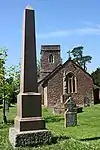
9,79
3,58
79,58
96,76
38,69
85,60
77,52
12,83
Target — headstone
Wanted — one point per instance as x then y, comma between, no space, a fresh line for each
70,113
58,108
6,106
29,127
86,101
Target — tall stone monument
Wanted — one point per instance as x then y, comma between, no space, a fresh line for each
29,127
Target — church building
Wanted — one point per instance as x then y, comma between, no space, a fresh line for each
58,80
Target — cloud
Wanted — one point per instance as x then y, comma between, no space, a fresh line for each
89,31
58,33
88,23
78,31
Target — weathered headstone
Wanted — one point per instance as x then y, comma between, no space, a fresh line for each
6,106
86,102
29,126
70,113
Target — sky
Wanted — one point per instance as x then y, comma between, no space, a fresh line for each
68,23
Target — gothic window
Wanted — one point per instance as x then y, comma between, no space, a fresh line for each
71,83
51,58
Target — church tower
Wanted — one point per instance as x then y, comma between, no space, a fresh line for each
50,59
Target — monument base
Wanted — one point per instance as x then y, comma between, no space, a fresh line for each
29,138
29,124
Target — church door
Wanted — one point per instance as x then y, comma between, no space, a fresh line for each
96,96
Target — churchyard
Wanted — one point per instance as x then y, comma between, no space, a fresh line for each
32,126
84,136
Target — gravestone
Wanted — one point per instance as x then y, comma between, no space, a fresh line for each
70,113
86,101
6,106
29,127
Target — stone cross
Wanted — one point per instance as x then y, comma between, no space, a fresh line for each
69,54
70,113
29,123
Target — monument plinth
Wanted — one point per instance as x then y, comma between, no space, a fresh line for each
29,124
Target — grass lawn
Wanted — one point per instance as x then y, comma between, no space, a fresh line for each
85,136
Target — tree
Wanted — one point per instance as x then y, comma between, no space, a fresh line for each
3,58
77,52
9,79
79,58
3,55
12,83
85,60
96,76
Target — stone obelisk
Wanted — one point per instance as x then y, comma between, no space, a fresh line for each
28,122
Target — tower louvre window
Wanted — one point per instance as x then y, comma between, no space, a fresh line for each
51,58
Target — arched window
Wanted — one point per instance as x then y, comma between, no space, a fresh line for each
51,58
71,83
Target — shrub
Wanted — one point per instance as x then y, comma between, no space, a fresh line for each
79,109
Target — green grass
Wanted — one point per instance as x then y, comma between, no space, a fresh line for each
85,136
